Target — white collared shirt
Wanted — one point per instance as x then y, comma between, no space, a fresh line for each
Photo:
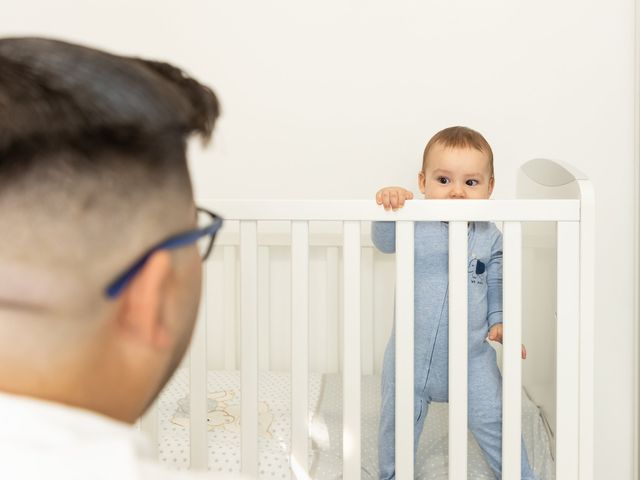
42,440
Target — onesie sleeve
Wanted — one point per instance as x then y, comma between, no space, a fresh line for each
383,235
494,282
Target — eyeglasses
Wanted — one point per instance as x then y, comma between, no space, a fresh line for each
208,226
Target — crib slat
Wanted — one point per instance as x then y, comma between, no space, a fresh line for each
299,346
198,386
568,335
366,279
511,353
458,350
229,272
404,350
249,348
333,314
149,425
264,305
352,363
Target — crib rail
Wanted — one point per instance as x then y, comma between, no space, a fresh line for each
529,210
571,464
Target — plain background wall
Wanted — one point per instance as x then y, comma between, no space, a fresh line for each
335,99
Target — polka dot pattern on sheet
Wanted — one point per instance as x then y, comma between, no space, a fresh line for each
325,429
432,463
224,441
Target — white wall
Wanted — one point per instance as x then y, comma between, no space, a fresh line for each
336,98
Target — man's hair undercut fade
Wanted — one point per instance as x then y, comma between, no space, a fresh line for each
93,150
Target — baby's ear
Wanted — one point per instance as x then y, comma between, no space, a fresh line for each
491,184
422,181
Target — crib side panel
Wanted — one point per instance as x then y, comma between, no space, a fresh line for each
326,303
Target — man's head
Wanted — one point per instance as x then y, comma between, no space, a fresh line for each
92,174
457,163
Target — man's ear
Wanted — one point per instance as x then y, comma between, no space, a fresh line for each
141,314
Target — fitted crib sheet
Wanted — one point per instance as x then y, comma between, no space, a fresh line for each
224,421
325,429
432,461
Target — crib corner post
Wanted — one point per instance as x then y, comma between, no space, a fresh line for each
587,328
568,352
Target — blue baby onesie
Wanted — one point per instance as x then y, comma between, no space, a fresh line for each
431,337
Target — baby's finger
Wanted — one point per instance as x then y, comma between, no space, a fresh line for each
393,198
406,195
495,334
385,199
379,197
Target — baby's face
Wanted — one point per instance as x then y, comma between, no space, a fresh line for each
456,173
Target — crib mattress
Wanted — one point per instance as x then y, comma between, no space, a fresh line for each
432,458
224,421
325,401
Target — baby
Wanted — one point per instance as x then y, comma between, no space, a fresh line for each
457,163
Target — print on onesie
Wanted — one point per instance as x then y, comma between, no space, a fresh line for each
477,271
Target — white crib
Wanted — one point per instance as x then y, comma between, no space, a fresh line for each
556,202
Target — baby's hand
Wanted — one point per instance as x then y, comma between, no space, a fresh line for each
495,335
393,197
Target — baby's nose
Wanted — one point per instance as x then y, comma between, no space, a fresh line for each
456,192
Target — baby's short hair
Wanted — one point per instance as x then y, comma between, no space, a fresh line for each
459,137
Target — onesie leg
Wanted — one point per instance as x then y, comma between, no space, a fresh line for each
526,472
488,434
386,435
485,418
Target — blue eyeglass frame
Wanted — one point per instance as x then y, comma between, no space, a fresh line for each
116,287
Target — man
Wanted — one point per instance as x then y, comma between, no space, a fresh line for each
99,265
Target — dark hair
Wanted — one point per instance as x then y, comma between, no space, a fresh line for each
459,137
93,154
60,98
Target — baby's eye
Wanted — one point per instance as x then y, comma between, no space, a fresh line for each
472,183
443,180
